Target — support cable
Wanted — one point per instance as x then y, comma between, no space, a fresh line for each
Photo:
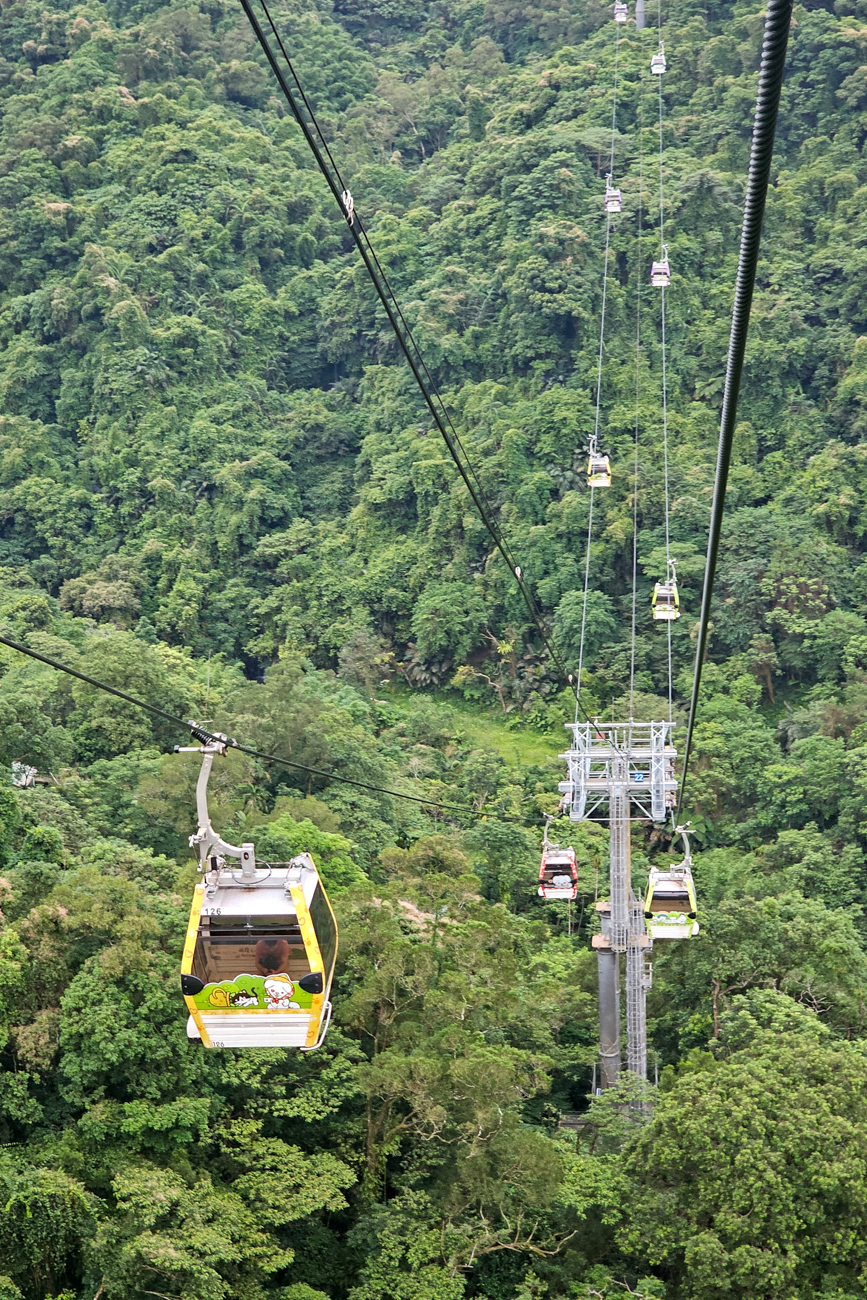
411,351
637,409
584,604
353,217
664,371
206,736
599,363
778,18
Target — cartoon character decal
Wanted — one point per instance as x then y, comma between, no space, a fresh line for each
254,992
278,994
244,998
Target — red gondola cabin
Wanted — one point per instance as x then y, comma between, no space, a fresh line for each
558,874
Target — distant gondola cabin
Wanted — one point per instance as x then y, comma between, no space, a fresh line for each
558,873
660,272
259,959
670,907
613,198
598,471
666,602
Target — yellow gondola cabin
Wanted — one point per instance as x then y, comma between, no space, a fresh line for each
261,942
671,906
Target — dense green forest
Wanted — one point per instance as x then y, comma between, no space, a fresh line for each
220,490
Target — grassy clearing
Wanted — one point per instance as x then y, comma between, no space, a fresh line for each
485,731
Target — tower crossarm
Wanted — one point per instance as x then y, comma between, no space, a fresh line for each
599,750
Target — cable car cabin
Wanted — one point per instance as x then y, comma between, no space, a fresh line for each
598,471
613,198
259,959
660,273
666,602
657,62
621,13
558,874
670,907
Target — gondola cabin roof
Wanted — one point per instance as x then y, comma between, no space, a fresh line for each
559,857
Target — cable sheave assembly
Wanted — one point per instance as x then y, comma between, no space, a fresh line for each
777,22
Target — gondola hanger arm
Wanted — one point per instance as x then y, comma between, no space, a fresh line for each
211,846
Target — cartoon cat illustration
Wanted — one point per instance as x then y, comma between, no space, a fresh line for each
244,998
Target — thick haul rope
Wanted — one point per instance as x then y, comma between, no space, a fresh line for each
777,22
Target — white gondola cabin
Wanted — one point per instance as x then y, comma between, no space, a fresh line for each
598,471
261,942
613,197
666,601
657,62
621,12
660,272
558,873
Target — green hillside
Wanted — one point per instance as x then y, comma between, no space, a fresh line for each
221,491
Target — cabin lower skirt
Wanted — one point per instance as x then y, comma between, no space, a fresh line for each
265,1029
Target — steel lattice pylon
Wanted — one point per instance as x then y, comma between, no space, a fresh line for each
621,769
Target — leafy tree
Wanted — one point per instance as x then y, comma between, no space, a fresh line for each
47,1222
745,1176
220,490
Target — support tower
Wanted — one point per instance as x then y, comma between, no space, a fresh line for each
623,771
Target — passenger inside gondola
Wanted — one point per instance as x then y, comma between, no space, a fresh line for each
228,946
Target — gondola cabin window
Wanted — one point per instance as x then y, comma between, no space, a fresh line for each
670,903
228,946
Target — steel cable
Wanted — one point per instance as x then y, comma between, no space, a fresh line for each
778,19
356,217
668,575
202,733
599,364
402,332
637,406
